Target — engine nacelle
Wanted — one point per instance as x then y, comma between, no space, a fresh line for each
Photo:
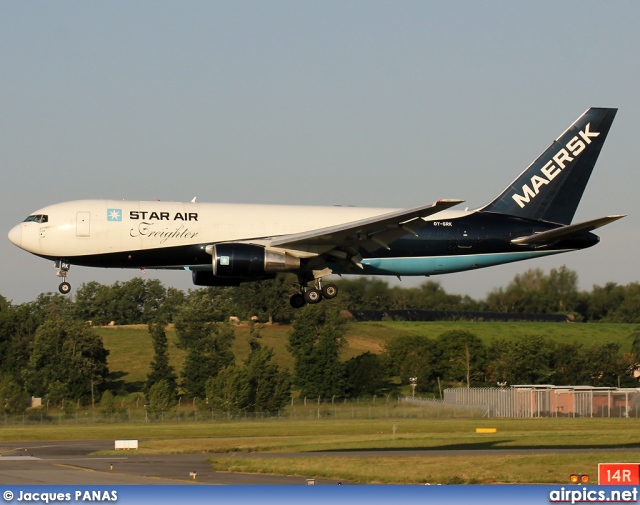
246,261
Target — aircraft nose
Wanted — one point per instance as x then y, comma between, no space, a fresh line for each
15,235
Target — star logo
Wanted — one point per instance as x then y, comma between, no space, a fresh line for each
114,215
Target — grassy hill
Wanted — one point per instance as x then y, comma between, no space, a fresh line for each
131,350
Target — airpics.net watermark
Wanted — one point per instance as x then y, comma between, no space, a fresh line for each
49,497
591,495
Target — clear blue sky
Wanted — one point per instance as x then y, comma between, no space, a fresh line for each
389,104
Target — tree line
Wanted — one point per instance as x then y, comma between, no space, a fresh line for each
140,301
460,358
48,349
455,358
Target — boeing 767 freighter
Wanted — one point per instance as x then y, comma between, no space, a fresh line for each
227,244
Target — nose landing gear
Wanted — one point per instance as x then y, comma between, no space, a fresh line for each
63,268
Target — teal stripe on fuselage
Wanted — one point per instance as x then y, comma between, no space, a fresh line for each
435,265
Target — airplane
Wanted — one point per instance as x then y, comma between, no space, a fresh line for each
228,244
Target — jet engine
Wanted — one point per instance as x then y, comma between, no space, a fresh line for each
250,262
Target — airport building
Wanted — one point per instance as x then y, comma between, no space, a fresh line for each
548,401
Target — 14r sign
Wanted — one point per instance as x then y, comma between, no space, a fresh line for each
619,474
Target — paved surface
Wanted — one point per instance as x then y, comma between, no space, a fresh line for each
70,463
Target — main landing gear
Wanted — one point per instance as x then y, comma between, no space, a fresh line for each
63,268
316,294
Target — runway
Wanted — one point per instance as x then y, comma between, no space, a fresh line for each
71,462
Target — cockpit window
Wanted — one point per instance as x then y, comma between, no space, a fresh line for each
37,218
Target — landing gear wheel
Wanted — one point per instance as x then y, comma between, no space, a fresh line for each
62,266
313,296
297,301
329,291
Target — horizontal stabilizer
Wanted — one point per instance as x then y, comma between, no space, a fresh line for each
552,236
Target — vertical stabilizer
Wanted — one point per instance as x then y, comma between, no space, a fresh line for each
551,187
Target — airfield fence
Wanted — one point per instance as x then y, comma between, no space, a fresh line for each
549,401
380,407
455,315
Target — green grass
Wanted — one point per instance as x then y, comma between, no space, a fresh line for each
230,442
131,351
502,469
296,435
584,333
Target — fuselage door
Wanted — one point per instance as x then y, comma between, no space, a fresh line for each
468,239
83,224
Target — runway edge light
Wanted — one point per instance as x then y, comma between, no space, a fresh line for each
579,478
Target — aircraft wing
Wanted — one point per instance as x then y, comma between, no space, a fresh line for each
371,233
552,236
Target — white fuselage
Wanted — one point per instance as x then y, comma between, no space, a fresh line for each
175,235
93,227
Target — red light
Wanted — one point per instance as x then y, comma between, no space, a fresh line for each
579,478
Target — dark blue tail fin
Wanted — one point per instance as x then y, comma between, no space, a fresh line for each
551,187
